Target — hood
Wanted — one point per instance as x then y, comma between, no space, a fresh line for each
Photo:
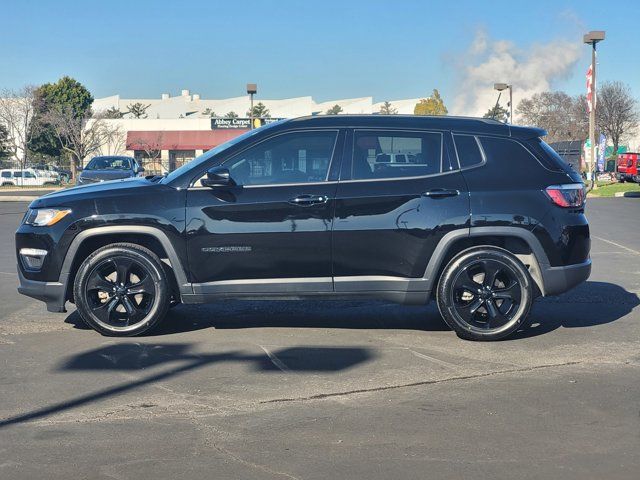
91,191
105,174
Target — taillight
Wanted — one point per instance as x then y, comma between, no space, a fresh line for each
571,195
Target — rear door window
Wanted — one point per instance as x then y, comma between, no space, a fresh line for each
395,154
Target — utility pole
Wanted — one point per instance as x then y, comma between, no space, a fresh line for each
252,89
592,38
503,86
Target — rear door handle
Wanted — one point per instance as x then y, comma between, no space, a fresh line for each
308,200
441,193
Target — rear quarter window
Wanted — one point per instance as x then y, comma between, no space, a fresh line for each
518,155
547,156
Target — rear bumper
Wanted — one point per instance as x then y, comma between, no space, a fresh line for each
557,280
52,293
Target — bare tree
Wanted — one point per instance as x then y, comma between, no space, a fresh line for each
16,111
562,116
152,148
616,112
114,138
79,136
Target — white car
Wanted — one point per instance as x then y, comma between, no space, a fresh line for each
27,177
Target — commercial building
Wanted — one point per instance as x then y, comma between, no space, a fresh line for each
176,129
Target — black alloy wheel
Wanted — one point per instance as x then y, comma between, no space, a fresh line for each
121,290
485,293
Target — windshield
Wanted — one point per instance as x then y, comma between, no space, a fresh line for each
109,163
215,151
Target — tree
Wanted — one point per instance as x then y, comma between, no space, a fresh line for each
113,112
66,94
259,111
335,110
79,136
562,116
152,148
115,138
16,115
5,150
497,112
209,113
137,110
231,114
433,105
387,109
616,112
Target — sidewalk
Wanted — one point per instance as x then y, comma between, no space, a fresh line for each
24,194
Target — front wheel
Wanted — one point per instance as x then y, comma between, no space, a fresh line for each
122,290
485,293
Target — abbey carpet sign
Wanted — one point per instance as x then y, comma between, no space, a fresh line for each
240,123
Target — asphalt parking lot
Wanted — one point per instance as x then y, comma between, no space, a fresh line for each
315,390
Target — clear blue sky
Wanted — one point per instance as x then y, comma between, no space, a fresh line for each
327,49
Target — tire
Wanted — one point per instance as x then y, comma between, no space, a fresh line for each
113,309
621,179
485,293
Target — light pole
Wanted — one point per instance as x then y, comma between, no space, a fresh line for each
503,86
252,89
592,38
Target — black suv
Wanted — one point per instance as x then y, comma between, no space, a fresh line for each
482,216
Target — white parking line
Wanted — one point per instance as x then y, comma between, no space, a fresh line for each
617,245
275,360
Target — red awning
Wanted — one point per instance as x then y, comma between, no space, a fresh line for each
179,140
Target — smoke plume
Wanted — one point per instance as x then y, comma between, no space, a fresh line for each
530,71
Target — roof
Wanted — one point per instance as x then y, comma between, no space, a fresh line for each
460,124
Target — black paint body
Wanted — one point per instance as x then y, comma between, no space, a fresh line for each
365,228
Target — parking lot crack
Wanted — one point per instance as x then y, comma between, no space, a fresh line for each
321,396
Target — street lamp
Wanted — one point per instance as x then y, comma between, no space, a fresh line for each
592,38
503,86
252,89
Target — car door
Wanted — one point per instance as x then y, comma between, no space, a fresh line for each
271,232
389,215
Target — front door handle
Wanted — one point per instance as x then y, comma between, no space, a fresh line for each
441,193
308,200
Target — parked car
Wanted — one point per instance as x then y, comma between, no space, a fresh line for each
55,171
104,168
27,177
487,219
627,167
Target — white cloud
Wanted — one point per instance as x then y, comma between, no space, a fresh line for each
530,71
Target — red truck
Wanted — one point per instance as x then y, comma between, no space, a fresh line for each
627,168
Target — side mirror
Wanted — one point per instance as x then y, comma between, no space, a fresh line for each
218,177
140,170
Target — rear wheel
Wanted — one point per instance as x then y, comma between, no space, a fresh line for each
122,290
485,293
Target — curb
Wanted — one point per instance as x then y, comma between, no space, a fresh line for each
17,198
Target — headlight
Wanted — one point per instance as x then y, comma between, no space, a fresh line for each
45,217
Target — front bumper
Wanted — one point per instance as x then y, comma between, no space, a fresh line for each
557,280
52,293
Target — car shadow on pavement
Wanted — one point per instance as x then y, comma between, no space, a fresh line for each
588,305
180,359
241,314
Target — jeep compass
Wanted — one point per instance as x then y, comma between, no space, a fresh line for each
480,216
